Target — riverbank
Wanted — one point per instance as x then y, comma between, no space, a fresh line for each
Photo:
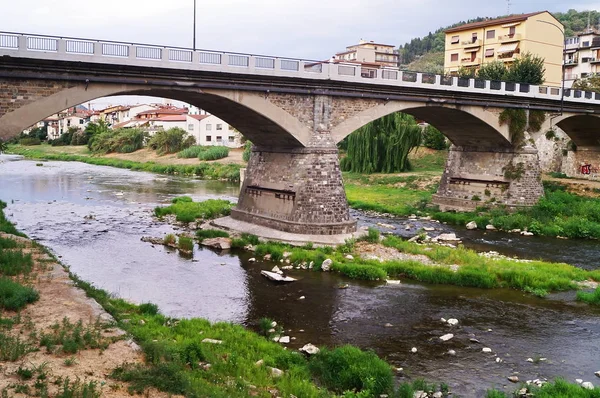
61,219
144,160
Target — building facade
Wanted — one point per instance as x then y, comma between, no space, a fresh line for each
581,56
505,39
370,52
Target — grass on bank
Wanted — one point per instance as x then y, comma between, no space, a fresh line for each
206,170
186,210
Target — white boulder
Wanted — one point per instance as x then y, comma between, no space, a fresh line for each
472,225
326,266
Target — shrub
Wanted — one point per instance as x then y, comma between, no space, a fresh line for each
210,233
433,138
29,141
148,308
172,140
360,271
247,151
372,235
348,368
592,298
14,296
119,140
214,153
191,152
169,239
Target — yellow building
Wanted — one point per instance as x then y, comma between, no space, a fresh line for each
504,39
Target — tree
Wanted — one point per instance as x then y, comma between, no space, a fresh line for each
466,73
590,83
170,141
495,70
433,138
40,133
528,68
3,147
382,145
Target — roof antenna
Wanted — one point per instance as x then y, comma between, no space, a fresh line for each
508,4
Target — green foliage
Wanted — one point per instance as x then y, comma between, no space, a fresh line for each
202,234
213,153
186,211
191,152
372,235
78,389
382,145
559,388
348,368
14,296
247,151
119,140
589,83
517,123
148,309
466,73
360,271
527,68
3,146
12,348
514,172
433,138
185,244
536,120
172,140
14,263
169,239
495,70
592,298
73,337
93,129
29,141
432,62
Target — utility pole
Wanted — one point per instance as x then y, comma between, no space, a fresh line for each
194,41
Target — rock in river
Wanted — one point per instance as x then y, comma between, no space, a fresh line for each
472,225
326,266
217,243
276,277
310,349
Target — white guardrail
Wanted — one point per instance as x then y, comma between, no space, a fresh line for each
103,52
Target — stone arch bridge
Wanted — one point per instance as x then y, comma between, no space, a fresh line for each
295,112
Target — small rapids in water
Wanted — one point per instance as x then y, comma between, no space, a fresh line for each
93,217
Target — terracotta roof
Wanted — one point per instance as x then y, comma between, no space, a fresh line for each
497,21
198,117
169,118
165,111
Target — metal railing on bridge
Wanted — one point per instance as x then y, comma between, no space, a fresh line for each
144,55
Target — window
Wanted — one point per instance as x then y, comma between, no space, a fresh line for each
489,52
208,127
474,37
231,139
585,44
208,138
219,138
190,127
454,57
512,30
585,60
80,121
490,34
219,126
454,40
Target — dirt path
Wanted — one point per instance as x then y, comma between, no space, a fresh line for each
581,187
60,307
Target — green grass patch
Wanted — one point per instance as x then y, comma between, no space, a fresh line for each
204,152
591,298
14,296
348,368
12,348
559,388
205,170
202,234
71,338
188,211
185,244
13,262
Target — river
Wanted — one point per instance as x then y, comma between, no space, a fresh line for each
49,203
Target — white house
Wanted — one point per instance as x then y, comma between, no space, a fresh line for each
210,130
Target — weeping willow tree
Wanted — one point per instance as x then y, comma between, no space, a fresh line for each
383,145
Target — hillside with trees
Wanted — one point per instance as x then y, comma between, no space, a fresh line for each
425,54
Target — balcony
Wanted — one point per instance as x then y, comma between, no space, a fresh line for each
594,60
509,38
470,61
471,43
596,43
573,76
571,62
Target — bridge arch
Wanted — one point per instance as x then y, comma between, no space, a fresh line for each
582,129
467,126
251,113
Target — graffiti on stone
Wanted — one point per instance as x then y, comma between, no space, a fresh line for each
586,169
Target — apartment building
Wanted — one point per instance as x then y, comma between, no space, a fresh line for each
210,130
371,53
581,56
505,39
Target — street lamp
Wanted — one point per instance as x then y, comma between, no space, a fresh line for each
562,91
194,41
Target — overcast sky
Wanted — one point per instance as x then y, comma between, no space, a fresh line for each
309,29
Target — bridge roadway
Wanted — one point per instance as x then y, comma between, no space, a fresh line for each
295,111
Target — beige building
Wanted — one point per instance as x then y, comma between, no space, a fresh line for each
369,52
505,39
582,56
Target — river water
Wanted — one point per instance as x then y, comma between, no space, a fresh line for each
49,203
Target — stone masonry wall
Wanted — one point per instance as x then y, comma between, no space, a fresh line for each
583,163
475,178
16,93
297,191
